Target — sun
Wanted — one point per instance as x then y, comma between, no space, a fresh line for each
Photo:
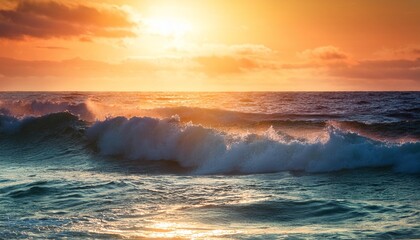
167,26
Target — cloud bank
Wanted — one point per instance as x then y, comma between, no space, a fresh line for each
238,67
48,19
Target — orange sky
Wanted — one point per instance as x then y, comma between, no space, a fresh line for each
209,45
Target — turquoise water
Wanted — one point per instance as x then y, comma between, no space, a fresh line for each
203,166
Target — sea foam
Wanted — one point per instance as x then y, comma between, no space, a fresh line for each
210,151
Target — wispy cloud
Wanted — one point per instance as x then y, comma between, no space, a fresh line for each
325,53
381,69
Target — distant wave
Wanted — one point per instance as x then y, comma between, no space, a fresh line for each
232,117
50,124
396,131
402,131
405,128
22,108
208,150
90,111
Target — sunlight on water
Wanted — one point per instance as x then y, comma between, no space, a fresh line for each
242,166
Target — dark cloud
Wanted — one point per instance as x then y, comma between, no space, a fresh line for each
46,19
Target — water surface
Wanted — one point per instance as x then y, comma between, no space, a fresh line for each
210,165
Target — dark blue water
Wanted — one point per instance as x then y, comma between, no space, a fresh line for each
209,165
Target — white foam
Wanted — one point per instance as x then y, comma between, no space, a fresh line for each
209,151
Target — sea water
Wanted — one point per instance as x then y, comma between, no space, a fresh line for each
261,165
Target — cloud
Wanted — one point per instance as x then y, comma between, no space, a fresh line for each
335,63
52,47
221,59
221,71
47,19
406,52
209,65
331,62
220,65
251,50
325,53
216,60
75,74
381,69
72,68
205,73
243,50
78,68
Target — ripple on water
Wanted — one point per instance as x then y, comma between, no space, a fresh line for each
285,211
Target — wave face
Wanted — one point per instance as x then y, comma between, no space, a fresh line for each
50,124
210,151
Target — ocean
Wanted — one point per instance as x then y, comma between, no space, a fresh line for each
254,165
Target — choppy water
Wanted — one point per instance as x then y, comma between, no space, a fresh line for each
210,165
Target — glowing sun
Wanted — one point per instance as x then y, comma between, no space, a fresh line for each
168,27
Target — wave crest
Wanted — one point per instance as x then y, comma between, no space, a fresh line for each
208,151
22,108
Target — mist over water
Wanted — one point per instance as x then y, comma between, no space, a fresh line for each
210,165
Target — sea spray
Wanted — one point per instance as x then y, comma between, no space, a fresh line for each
210,151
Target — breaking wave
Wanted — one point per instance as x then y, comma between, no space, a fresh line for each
207,150
210,151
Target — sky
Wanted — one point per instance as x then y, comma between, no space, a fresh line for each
209,45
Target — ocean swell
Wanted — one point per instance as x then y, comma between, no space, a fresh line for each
50,124
22,108
209,151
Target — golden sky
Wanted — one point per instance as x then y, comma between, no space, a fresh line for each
209,45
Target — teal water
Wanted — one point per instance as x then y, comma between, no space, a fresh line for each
232,172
